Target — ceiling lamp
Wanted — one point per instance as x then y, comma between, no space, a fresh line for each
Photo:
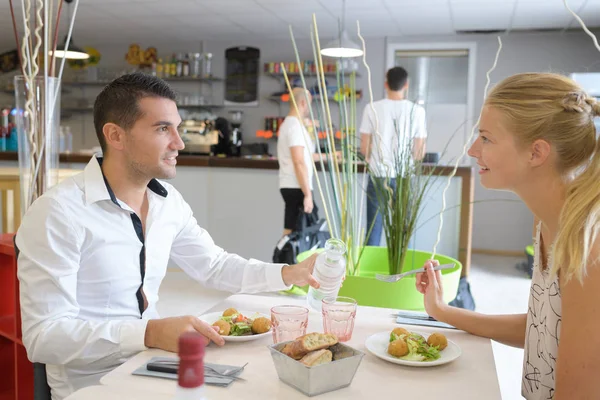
343,46
73,52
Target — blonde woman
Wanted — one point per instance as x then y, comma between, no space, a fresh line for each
537,139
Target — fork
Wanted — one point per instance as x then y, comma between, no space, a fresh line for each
397,277
227,372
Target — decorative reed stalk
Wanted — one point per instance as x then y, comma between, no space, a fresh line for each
340,189
40,101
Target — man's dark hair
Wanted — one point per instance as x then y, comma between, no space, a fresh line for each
118,101
396,78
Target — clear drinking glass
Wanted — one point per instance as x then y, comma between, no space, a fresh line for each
338,316
289,322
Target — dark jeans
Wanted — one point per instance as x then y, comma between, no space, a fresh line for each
374,239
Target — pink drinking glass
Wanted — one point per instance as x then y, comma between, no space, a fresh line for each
289,322
338,317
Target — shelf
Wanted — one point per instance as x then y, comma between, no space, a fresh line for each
77,109
308,74
277,99
17,370
271,134
200,105
91,108
12,92
7,366
174,79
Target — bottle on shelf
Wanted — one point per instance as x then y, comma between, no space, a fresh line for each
4,130
207,65
160,68
173,65
190,373
196,67
68,140
329,271
185,68
179,65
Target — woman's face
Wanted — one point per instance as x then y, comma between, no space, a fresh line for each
503,165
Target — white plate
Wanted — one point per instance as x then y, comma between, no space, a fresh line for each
210,318
378,343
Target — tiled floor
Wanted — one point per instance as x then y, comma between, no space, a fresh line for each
498,288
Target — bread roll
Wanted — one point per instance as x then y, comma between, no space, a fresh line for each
317,357
307,343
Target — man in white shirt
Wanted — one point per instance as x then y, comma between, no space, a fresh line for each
94,249
384,135
295,152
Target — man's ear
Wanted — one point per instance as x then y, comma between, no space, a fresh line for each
114,136
539,152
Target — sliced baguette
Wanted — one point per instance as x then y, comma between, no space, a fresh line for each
307,343
317,357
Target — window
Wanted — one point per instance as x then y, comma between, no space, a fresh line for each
441,79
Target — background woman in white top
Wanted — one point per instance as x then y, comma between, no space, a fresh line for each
538,140
295,151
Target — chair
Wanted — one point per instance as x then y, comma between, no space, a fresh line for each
41,389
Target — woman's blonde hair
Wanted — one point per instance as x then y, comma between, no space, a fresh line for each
554,108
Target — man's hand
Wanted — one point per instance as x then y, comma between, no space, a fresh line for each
301,273
164,333
308,204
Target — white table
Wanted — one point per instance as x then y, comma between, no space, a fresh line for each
472,376
113,393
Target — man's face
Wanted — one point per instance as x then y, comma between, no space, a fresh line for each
153,143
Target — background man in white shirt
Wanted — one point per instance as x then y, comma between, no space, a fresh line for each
295,152
94,249
398,120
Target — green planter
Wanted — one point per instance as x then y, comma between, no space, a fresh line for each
401,295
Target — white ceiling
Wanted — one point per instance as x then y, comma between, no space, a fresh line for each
148,21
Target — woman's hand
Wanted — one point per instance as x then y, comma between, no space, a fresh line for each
429,283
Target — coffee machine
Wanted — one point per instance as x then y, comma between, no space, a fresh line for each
198,136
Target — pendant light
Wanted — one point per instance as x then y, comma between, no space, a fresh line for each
343,46
73,52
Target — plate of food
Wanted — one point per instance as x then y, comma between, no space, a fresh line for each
415,349
239,326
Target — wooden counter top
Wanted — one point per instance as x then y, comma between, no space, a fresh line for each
184,160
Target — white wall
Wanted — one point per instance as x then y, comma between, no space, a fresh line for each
501,222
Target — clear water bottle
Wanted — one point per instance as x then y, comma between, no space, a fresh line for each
329,271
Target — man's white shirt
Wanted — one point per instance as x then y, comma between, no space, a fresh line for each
80,269
391,124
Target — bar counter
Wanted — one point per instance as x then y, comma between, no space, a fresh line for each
243,193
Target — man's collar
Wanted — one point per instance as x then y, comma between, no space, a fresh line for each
97,187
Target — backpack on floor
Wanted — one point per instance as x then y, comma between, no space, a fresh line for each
309,236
